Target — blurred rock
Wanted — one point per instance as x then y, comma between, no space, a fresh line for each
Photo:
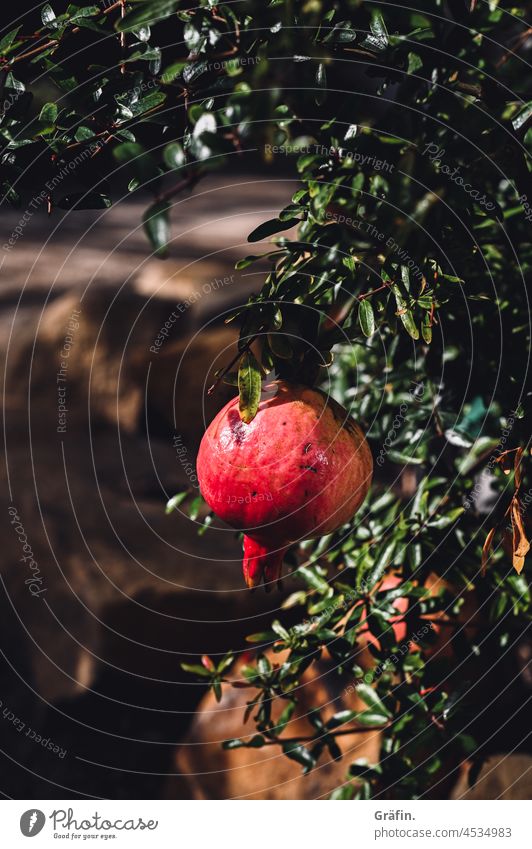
501,777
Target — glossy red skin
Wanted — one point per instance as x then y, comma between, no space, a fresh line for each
300,469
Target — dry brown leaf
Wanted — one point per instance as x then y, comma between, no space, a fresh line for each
520,544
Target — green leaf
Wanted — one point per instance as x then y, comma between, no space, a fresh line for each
175,501
414,63
194,507
249,387
370,697
246,261
300,754
366,317
84,134
79,12
156,221
256,742
285,717
235,743
370,717
342,794
48,15
174,155
225,663
341,717
7,40
321,83
351,132
342,33
378,40
196,669
261,637
149,13
12,82
145,104
280,630
264,665
194,70
315,581
426,329
141,161
523,117
405,314
48,113
270,227
143,33
361,769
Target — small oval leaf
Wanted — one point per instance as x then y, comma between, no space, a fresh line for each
249,386
366,317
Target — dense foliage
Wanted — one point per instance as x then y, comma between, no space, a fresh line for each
403,292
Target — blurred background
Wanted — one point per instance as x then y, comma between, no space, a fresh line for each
96,403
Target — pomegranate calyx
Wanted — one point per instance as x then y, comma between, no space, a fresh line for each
260,563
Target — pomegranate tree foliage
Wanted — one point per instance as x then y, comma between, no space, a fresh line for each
408,132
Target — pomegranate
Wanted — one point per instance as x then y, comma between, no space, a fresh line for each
300,469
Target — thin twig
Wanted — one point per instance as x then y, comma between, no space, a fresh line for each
54,41
45,46
186,182
237,356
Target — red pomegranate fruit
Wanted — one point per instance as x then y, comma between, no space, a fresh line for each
299,469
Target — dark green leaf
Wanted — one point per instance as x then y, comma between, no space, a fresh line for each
300,754
157,226
174,155
8,39
321,83
48,113
405,314
271,227
366,317
83,134
148,13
